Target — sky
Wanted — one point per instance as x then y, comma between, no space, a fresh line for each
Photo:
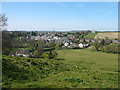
61,16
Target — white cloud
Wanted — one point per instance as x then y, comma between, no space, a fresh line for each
61,4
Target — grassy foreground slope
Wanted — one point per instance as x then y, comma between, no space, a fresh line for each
76,69
19,71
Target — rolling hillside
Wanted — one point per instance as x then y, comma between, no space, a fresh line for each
81,68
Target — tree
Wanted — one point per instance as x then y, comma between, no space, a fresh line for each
7,44
33,33
36,54
50,55
97,45
51,43
6,38
102,42
54,55
57,46
3,22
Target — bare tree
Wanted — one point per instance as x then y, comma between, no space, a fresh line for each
3,22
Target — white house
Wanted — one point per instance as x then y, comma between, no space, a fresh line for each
81,45
66,44
55,37
22,53
37,37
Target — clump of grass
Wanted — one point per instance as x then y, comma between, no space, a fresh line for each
71,79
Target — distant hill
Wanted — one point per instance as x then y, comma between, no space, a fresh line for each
107,31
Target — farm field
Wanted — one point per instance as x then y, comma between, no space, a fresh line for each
90,35
109,35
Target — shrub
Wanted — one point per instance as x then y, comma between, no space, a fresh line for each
36,54
50,55
110,49
96,45
71,79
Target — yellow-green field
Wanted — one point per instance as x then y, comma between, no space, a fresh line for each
90,35
90,59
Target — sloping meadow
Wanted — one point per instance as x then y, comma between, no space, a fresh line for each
19,72
22,70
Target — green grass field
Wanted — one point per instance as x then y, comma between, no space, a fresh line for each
90,35
76,68
90,59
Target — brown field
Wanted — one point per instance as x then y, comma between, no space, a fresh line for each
107,35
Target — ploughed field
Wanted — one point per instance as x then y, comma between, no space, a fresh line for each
76,68
113,35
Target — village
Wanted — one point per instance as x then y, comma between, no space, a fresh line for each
69,40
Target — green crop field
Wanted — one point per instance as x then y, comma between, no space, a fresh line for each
90,35
76,68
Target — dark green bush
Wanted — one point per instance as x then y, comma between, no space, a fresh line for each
71,79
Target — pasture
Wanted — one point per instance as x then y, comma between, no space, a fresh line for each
87,69
76,68
90,35
88,59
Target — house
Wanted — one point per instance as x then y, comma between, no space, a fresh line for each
33,37
88,40
74,45
12,54
82,40
83,45
37,38
22,53
70,36
28,36
92,40
21,38
66,44
116,41
55,37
